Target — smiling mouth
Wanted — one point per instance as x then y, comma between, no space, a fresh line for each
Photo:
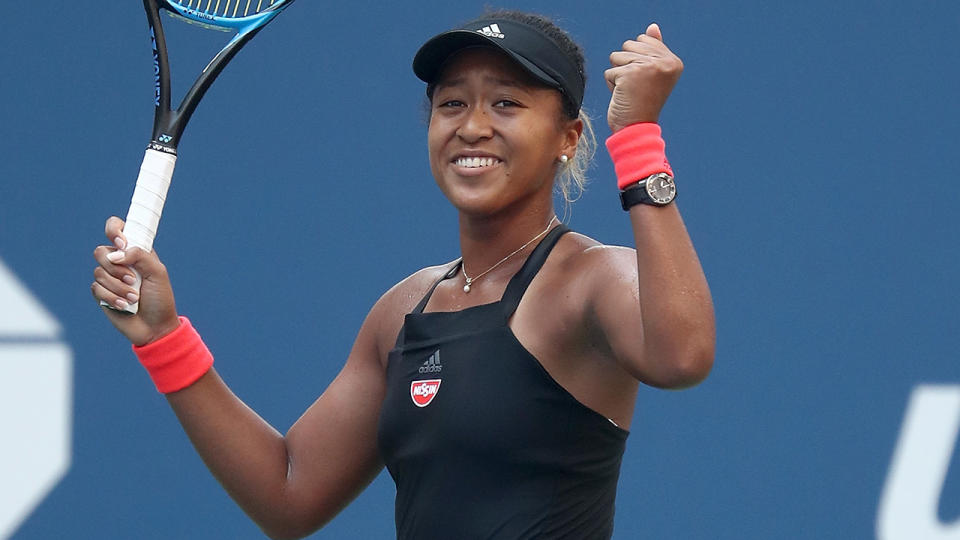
476,162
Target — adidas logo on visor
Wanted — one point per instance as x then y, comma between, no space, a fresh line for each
491,31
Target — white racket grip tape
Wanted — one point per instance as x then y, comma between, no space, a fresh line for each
146,206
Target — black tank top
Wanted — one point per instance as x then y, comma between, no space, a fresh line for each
481,441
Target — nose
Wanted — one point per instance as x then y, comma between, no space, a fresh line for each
476,125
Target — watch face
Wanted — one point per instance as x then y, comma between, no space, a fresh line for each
661,188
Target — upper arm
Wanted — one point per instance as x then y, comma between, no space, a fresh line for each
651,329
332,448
612,305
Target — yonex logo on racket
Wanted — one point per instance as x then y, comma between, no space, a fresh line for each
200,14
492,31
156,68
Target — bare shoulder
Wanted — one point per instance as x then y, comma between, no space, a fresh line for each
591,261
579,271
590,273
386,315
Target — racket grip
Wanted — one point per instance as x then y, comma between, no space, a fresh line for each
146,206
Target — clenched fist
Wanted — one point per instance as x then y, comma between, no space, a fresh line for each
643,74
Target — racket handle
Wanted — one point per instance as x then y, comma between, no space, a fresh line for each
146,206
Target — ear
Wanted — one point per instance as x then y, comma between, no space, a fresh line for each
572,129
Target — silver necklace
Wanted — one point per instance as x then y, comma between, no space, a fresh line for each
470,280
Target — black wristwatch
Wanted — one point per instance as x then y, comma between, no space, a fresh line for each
656,189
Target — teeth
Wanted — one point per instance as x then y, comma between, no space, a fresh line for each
473,162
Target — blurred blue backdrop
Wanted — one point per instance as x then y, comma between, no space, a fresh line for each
816,149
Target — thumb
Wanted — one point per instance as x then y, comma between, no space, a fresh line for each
654,31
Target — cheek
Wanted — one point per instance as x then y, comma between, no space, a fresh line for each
432,142
436,135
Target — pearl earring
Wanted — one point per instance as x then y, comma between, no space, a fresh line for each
564,158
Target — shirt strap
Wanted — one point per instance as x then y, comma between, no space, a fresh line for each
426,298
521,280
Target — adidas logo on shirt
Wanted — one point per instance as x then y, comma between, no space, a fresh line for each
491,31
432,363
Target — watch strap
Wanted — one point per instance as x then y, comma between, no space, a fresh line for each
634,195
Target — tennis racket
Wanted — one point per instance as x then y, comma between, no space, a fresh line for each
244,18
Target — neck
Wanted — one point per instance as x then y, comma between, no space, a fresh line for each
486,240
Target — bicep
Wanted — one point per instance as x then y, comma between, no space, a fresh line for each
613,308
654,328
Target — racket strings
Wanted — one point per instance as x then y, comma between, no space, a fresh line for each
228,8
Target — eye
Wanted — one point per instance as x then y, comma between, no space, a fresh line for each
506,103
450,103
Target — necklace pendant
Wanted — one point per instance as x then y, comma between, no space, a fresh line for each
469,280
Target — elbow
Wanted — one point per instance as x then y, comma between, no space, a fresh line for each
286,525
281,530
284,531
683,364
276,534
688,354
693,367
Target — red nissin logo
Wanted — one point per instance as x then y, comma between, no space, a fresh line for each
423,392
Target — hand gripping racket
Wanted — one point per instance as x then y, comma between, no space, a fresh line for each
245,18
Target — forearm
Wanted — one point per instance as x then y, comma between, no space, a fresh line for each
675,303
244,453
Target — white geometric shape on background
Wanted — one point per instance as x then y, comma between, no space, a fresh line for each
918,471
21,315
36,402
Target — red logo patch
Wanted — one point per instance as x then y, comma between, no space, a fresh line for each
423,392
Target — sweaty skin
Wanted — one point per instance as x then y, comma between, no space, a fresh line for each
600,319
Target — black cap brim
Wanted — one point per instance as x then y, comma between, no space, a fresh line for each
433,55
527,45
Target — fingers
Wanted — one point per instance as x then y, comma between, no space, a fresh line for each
114,232
654,31
648,52
635,49
622,58
113,295
113,282
115,274
145,262
625,63
612,75
109,259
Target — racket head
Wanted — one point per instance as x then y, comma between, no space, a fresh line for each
243,17
226,15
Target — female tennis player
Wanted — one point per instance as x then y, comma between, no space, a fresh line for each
498,388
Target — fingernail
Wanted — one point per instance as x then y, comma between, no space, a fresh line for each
132,297
129,279
120,303
115,256
119,242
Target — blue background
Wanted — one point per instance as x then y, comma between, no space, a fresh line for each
816,149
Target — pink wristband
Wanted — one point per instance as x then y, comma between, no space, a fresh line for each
637,152
176,360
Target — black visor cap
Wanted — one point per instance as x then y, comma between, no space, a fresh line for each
536,53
